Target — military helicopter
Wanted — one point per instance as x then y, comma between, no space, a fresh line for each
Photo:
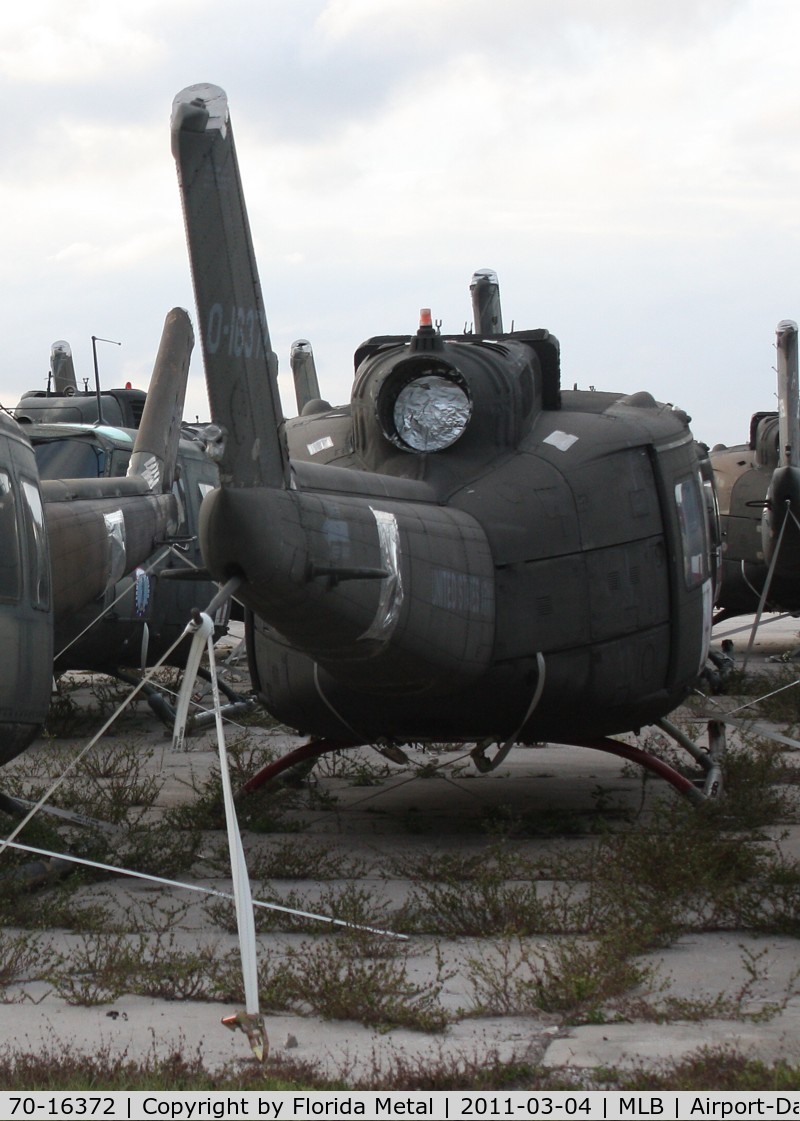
464,552
66,541
83,434
758,486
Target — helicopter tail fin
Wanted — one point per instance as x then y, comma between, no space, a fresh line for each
156,448
241,368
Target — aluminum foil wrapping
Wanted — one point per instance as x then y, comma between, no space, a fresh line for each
431,413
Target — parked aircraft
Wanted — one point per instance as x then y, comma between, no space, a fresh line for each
66,541
464,552
758,485
81,434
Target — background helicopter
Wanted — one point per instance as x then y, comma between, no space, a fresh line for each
67,541
758,487
82,434
465,552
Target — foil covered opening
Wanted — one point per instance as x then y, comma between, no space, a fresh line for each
431,413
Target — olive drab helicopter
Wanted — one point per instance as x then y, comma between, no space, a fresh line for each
758,486
66,541
91,434
466,551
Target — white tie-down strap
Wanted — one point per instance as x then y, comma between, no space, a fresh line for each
251,1021
202,628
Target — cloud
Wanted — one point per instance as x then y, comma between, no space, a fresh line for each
628,168
76,44
634,143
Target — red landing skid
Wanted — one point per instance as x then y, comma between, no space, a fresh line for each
709,760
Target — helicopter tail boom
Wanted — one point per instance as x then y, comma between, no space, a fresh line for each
156,449
241,368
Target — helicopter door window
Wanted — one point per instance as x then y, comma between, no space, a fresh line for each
694,531
37,547
70,459
9,557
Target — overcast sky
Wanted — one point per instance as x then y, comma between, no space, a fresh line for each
629,168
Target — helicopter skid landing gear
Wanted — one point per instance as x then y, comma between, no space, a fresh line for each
710,760
307,753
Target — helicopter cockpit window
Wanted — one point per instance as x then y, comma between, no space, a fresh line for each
9,555
430,413
692,518
70,459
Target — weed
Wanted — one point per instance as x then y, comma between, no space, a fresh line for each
104,966
100,697
108,694
23,957
64,716
574,976
154,916
485,905
168,971
755,793
499,859
62,1067
99,970
54,909
742,1003
223,914
778,698
710,1068
680,871
262,811
155,848
106,784
289,860
338,981
349,904
354,768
